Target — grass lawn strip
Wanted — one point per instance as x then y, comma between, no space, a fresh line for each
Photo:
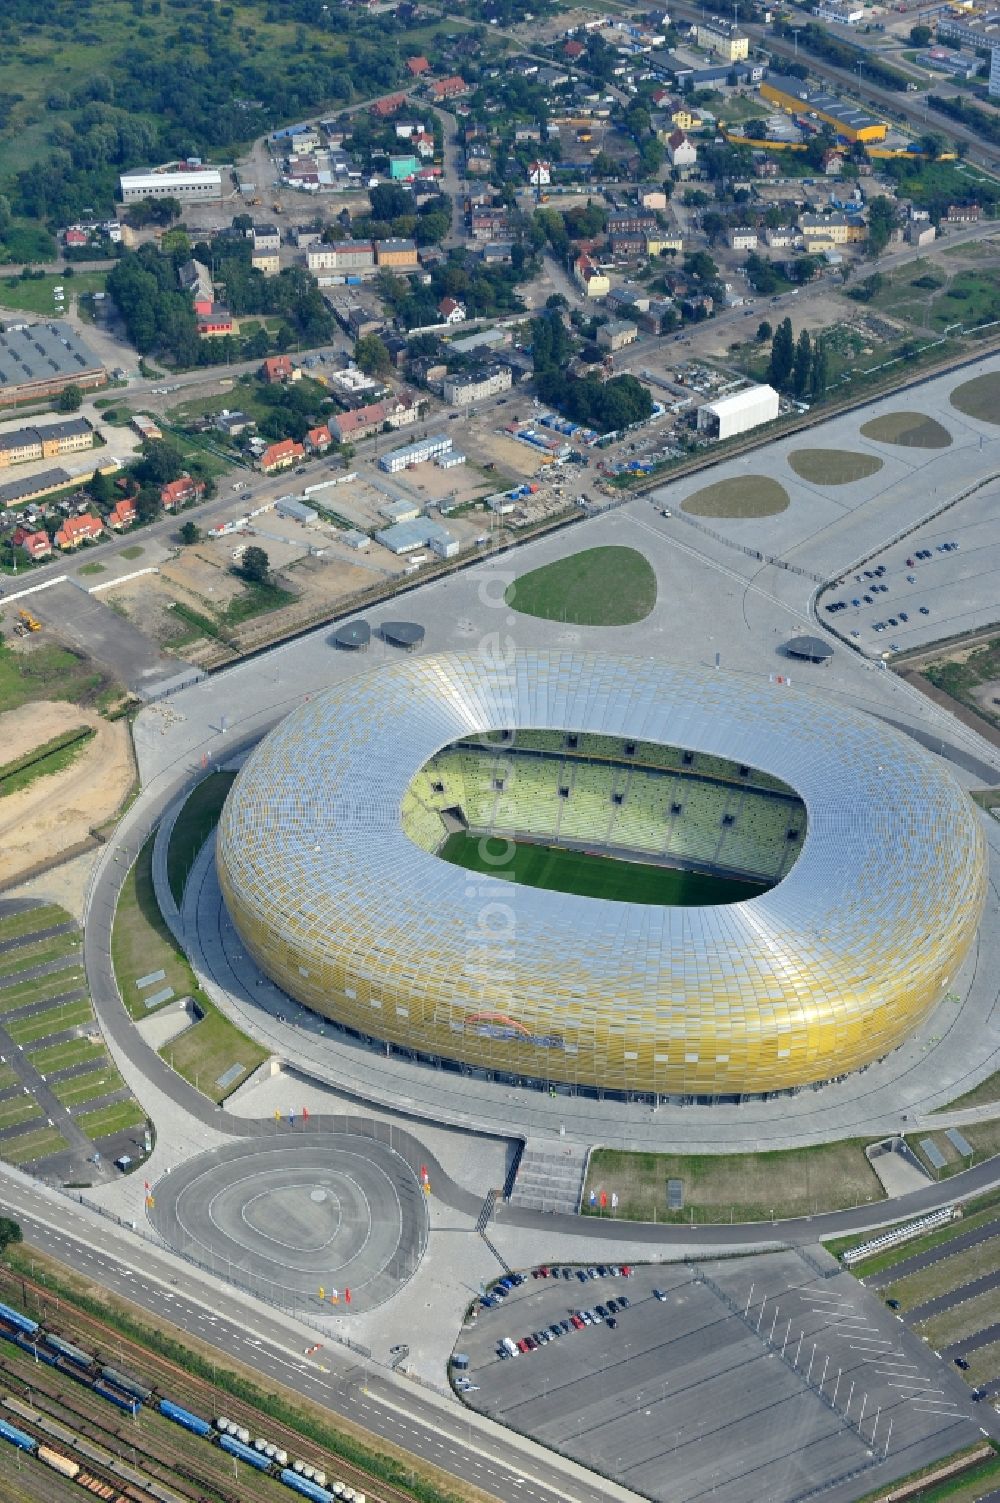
7,1077
947,1274
60,1056
53,984
32,921
610,586
54,756
986,1092
53,1020
962,1321
741,1187
111,1119
968,1487
38,953
748,497
36,1145
833,466
977,1213
89,1086
21,1109
192,827
984,1364
140,943
594,876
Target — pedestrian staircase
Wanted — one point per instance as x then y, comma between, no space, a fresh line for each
550,1176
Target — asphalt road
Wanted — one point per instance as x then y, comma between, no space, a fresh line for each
341,1382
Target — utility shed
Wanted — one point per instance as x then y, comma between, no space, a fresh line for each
738,413
290,506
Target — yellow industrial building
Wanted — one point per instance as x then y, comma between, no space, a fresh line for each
848,120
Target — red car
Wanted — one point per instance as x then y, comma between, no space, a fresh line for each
626,1270
523,1346
577,1322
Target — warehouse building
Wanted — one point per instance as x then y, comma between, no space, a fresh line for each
32,487
41,360
798,98
418,453
739,413
186,182
407,537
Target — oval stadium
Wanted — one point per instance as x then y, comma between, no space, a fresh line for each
603,873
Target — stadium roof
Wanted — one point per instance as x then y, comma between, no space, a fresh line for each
823,973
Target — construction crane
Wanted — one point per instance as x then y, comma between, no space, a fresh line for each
29,621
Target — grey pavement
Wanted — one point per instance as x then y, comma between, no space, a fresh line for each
104,635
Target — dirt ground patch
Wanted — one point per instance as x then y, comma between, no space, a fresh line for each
833,466
979,398
907,430
55,813
514,460
747,496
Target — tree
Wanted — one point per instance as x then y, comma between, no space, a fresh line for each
70,399
701,265
555,301
819,376
920,36
10,1233
372,356
190,533
802,364
782,354
255,565
881,223
161,462
764,331
102,488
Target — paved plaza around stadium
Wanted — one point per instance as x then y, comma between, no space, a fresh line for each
753,1378
289,1214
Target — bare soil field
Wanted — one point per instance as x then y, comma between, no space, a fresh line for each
55,813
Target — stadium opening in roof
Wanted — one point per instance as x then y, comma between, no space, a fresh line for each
861,863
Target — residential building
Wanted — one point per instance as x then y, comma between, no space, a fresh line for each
195,279
743,238
589,277
281,456
342,255
798,98
652,198
723,38
451,311
362,422
630,222
41,360
266,262
74,236
626,246
396,253
616,334
739,413
180,491
463,388
680,151
832,162
995,72
963,214
478,159
418,66
122,514
626,296
77,530
266,237
969,30
36,545
187,181
918,233
449,88
362,321
780,237
390,105
232,424
413,454
540,174
822,232
663,240
216,322
45,442
277,368
318,440
489,224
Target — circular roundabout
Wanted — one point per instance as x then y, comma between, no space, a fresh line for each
290,1215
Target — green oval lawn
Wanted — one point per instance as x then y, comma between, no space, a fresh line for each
597,587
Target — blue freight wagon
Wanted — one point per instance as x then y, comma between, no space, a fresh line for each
184,1417
17,1437
305,1487
15,1318
39,1354
245,1453
123,1401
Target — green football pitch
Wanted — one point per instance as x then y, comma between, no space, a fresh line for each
593,876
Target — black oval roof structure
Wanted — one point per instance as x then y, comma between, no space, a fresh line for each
813,649
353,634
403,633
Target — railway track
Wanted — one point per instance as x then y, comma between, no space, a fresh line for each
169,1379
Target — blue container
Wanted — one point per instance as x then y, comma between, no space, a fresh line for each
15,1318
184,1417
17,1437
